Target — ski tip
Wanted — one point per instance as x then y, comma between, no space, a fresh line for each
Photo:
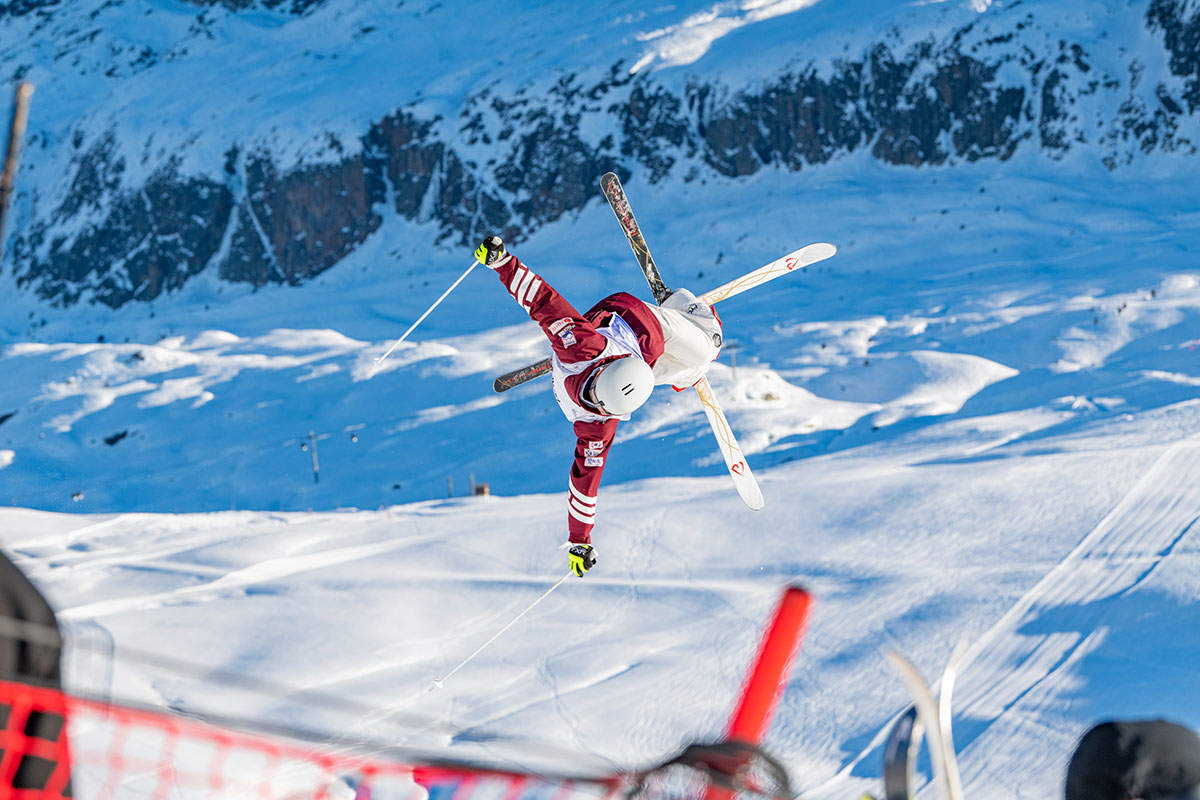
819,251
753,500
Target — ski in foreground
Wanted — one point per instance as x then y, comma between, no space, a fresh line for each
934,715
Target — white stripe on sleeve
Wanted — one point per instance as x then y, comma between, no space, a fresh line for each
580,514
526,279
585,501
530,292
518,275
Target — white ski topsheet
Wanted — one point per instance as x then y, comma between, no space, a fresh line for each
797,259
735,459
935,716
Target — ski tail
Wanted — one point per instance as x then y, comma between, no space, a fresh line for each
934,714
735,459
510,380
900,756
610,184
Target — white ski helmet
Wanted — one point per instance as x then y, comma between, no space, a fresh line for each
620,386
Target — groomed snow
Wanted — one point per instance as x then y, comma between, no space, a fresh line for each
974,425
977,422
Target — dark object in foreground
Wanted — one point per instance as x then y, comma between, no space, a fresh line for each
722,770
1149,759
30,654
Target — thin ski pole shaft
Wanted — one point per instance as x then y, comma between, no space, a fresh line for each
436,303
437,684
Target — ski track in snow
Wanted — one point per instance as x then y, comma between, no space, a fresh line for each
1019,657
633,645
233,582
1012,676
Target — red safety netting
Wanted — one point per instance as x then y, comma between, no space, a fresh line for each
55,745
35,751
114,752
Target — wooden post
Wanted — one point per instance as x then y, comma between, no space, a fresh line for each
8,176
731,348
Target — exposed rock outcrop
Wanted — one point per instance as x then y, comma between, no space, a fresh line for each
973,95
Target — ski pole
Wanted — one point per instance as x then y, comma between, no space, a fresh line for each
437,683
403,336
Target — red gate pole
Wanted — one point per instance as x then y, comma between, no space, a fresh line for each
768,674
764,683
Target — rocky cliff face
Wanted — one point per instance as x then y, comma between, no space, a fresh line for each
296,7
979,94
16,8
1180,30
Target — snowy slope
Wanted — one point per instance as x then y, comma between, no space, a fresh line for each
976,424
1028,294
912,544
173,146
978,421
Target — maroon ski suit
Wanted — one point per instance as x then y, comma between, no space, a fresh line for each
575,340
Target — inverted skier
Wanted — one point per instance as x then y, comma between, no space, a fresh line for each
605,364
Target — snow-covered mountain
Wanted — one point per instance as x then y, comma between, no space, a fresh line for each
265,142
977,421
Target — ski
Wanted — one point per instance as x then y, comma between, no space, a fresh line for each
518,376
945,690
900,756
735,460
935,716
797,259
610,184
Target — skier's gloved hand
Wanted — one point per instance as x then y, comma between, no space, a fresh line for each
491,252
581,558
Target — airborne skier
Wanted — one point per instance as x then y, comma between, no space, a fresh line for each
606,362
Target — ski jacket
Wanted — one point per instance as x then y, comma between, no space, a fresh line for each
619,325
691,339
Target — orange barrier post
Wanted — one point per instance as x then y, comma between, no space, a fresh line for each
760,694
767,676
